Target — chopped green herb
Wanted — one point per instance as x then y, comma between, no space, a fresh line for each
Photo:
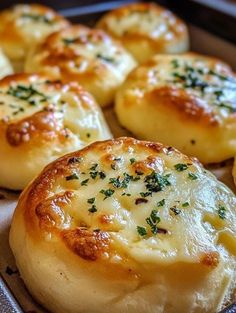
91,200
145,194
185,204
25,93
94,167
93,175
175,63
105,58
84,182
156,182
192,176
175,210
141,231
153,220
74,160
132,160
107,193
117,159
102,175
72,176
68,41
20,109
222,212
126,194
227,106
181,167
93,209
161,203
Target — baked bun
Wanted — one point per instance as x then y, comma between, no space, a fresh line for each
24,25
186,101
41,120
146,29
89,56
129,225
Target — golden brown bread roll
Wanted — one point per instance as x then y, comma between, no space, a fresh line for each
126,226
187,101
41,120
24,25
89,56
146,29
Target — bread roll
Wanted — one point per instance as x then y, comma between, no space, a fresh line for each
146,29
41,120
24,25
187,101
126,226
89,56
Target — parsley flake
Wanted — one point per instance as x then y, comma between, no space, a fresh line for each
180,167
93,209
91,200
222,212
153,220
72,176
161,203
175,210
192,176
107,193
84,182
132,160
141,231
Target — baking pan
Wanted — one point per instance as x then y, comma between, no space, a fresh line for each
14,298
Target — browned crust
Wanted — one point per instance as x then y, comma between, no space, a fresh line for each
89,245
50,212
210,259
188,106
179,29
42,125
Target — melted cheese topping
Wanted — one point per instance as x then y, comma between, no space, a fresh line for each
211,82
98,62
147,26
36,113
134,212
22,26
186,91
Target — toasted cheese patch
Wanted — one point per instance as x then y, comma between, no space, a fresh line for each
23,26
126,220
188,101
89,56
41,120
146,29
